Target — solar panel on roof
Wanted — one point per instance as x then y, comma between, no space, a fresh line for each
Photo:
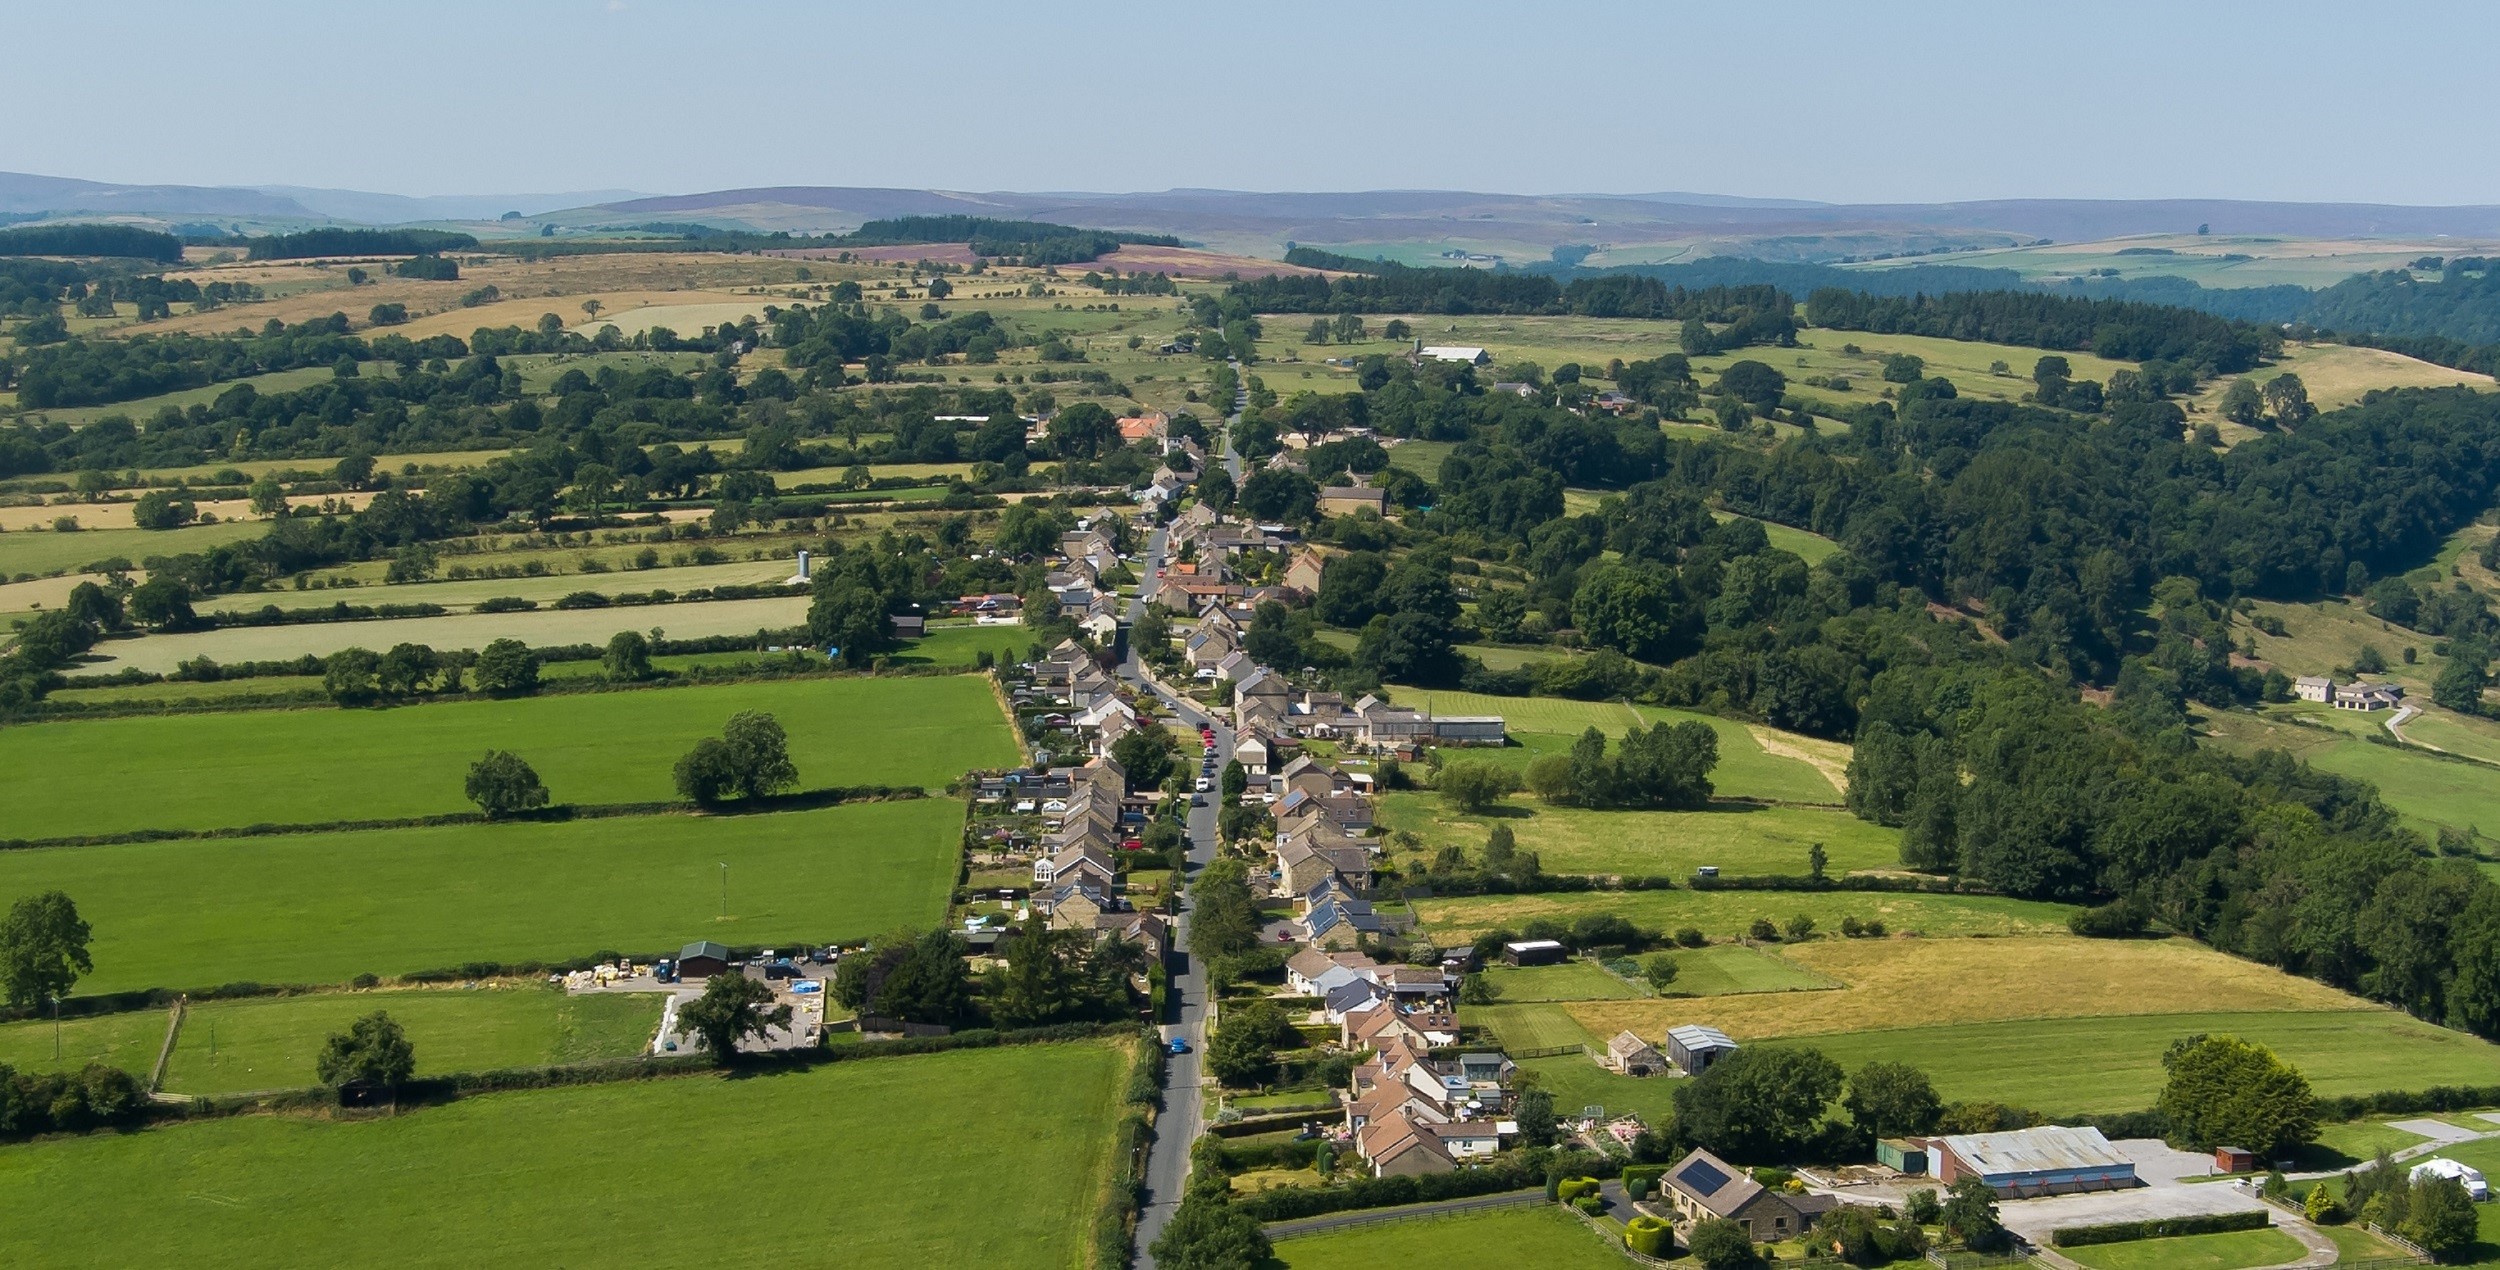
1703,1177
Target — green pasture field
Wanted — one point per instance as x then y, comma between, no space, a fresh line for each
2227,1250
1539,1235
2427,792
324,907
271,1042
1567,981
2456,733
1577,1081
1543,725
1423,458
316,765
1726,969
1739,841
607,1174
44,553
959,645
2113,1063
1821,352
1726,914
177,692
1805,544
161,654
1592,342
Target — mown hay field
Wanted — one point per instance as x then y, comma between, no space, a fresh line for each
1899,982
1724,915
321,908
1738,841
1747,768
161,654
505,1179
317,765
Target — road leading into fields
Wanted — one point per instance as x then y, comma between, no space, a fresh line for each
1177,1125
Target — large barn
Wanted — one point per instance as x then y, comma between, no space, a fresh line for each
2046,1161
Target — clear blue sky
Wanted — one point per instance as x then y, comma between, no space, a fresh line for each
2381,102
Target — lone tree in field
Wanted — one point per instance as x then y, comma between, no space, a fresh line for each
732,1008
2224,1090
504,784
43,948
750,759
590,309
372,1051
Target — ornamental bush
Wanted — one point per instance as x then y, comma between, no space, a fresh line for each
1649,1237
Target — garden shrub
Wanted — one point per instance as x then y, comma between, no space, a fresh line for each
1649,1237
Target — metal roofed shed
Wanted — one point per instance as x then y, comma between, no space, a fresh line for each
1533,952
2051,1160
1694,1048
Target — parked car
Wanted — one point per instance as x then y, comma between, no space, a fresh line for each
1179,1045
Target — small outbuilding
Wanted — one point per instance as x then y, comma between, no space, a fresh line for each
1902,1155
702,959
1534,952
2235,1159
1632,1056
1694,1047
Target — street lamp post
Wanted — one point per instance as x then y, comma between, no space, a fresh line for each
724,890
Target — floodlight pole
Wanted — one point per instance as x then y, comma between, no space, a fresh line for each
724,890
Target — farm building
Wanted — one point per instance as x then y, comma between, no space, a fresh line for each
1902,1155
1694,1047
2367,697
1632,1056
2050,1160
1470,729
701,960
1533,952
1467,353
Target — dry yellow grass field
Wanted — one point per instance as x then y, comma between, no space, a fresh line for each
1896,983
118,515
2335,375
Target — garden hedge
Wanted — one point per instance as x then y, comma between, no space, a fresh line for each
2119,1232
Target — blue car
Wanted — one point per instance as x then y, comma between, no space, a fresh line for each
1178,1046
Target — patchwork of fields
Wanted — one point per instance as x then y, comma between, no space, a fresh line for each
503,1179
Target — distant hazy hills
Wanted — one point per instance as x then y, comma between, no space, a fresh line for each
1262,222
